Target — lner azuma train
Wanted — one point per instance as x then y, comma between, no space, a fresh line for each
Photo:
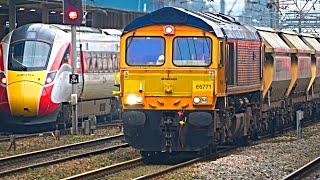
192,80
35,64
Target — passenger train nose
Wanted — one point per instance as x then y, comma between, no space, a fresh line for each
25,89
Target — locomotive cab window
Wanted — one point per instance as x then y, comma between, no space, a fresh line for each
145,51
192,51
28,55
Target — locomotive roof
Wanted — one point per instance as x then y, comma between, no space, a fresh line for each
295,42
34,31
67,28
222,26
49,32
311,41
272,40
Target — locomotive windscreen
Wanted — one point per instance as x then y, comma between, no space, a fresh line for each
192,51
145,51
28,56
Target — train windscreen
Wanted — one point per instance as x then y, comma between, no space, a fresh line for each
145,51
28,56
192,51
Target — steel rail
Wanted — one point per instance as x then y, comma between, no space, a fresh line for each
222,149
72,157
5,139
12,160
304,170
114,123
169,169
107,170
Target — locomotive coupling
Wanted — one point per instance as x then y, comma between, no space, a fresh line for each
182,118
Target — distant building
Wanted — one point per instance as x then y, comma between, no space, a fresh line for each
99,13
129,5
254,12
259,13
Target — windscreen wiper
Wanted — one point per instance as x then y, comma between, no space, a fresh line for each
22,65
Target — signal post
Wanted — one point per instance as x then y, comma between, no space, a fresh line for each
73,15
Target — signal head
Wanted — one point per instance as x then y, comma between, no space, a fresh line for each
73,12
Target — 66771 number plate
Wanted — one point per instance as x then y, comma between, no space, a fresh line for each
202,86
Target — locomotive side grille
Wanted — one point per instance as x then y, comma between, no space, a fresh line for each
248,63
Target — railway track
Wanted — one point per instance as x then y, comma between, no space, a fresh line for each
24,136
108,170
169,169
116,123
134,164
131,164
304,170
21,162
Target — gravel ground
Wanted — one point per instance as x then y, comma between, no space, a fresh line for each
267,159
38,143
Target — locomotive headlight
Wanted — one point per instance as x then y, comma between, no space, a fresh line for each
50,77
139,99
168,30
204,100
196,100
49,80
3,78
134,99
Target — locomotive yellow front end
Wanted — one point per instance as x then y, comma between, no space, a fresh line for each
168,87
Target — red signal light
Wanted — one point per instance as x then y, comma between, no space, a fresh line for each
73,12
73,15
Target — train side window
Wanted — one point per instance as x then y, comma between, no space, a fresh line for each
231,64
96,65
66,57
88,60
104,61
93,61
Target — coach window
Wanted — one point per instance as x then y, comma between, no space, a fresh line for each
145,51
192,51
66,57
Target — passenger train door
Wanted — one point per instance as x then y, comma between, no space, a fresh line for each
61,91
81,70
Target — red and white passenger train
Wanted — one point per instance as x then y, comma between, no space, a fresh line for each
35,64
